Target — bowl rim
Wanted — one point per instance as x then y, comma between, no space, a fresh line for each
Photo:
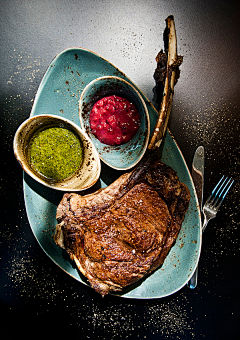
145,145
28,170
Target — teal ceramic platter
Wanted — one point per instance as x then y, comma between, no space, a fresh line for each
59,93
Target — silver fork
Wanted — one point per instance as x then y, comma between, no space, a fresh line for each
210,210
215,200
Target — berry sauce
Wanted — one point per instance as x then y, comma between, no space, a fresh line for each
114,120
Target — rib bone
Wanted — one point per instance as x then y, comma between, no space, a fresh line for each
173,62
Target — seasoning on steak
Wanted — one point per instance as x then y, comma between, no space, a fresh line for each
123,232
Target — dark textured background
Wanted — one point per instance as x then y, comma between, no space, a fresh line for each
36,297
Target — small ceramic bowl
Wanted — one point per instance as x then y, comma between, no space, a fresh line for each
85,176
125,156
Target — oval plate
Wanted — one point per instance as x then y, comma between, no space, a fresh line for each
59,93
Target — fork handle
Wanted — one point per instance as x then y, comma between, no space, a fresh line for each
192,283
205,222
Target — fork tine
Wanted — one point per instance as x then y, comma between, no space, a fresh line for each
222,190
212,197
217,196
216,187
228,188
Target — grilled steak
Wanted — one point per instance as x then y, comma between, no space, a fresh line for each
123,232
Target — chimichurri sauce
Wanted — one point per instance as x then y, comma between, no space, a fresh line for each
55,152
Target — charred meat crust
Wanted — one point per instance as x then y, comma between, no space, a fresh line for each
125,231
161,69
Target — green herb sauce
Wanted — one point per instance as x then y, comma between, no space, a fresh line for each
55,152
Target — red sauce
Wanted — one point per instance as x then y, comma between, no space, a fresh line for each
114,120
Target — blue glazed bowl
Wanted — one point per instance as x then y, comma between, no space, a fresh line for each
125,156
